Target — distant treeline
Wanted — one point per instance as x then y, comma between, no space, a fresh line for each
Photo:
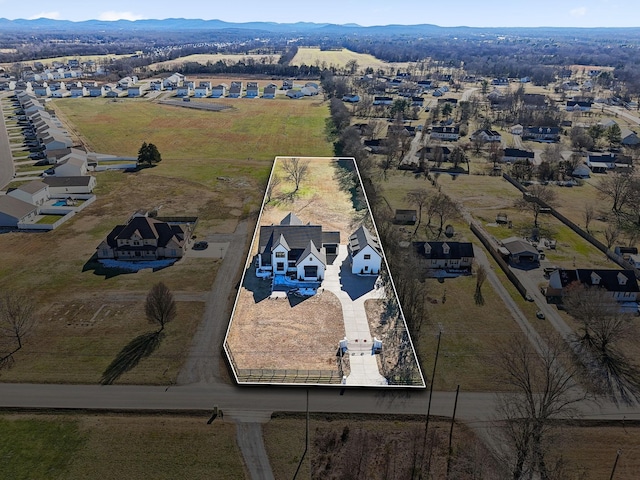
240,68
538,54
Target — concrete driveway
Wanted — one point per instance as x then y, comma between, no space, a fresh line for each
352,291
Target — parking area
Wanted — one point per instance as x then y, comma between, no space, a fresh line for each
213,250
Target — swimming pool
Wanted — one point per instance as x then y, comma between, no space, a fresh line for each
60,203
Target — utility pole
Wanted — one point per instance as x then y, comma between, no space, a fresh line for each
426,424
306,443
615,464
453,419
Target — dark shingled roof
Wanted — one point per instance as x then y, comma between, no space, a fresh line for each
77,181
291,219
360,239
457,250
611,280
297,236
330,238
149,229
312,250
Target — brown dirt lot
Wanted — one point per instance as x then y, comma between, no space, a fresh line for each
304,335
319,200
273,334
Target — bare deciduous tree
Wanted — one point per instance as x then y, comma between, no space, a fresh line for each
275,181
418,198
611,234
545,390
481,276
615,186
602,326
160,307
296,170
588,214
441,207
17,319
536,198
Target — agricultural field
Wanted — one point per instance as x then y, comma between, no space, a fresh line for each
340,58
214,166
51,447
81,58
204,59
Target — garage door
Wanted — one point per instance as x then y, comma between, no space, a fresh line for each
311,271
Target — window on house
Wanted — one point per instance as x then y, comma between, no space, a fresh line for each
367,257
279,254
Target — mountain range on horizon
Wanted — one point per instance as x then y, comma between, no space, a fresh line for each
52,25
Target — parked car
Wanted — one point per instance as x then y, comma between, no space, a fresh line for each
201,245
540,314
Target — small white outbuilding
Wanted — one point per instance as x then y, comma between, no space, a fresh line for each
365,252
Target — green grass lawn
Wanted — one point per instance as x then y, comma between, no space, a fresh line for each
34,447
202,145
215,166
49,219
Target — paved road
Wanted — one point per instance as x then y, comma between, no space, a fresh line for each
623,112
6,158
472,407
466,95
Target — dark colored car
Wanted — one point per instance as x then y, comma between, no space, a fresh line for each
202,245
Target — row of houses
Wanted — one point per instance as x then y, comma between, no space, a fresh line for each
26,206
238,89
46,129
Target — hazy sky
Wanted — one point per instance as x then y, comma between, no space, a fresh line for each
475,13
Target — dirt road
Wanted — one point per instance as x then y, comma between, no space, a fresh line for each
203,363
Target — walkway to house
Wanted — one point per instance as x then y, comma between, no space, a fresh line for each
352,291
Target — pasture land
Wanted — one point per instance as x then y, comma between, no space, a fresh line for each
117,446
81,58
340,58
204,59
214,167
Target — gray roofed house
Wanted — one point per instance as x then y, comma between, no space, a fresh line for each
294,248
629,137
235,90
252,90
365,252
75,184
406,217
14,211
270,91
34,192
521,251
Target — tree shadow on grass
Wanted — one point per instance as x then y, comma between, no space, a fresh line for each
140,347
